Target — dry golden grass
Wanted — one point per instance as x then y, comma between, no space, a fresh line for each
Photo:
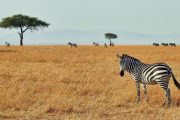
57,82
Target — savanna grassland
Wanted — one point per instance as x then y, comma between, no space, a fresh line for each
59,82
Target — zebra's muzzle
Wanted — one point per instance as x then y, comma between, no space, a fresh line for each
121,73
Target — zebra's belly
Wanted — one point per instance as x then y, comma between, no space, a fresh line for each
155,81
149,82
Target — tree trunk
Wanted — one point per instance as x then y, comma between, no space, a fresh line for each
110,42
21,39
21,35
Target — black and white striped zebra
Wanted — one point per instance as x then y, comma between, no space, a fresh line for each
105,45
7,44
111,44
156,44
165,44
95,44
172,44
158,73
72,44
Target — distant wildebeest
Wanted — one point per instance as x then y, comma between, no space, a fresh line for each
111,44
7,44
156,44
96,44
105,45
172,44
165,44
72,44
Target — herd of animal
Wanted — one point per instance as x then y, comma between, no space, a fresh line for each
112,44
164,44
106,45
94,43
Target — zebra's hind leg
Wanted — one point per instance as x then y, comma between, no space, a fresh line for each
138,91
145,92
164,85
167,96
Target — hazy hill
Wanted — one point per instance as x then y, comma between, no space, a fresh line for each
85,37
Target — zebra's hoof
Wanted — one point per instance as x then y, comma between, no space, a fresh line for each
163,105
137,101
147,99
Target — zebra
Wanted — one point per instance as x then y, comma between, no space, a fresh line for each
158,73
156,44
96,44
172,44
111,44
165,44
7,44
72,44
105,45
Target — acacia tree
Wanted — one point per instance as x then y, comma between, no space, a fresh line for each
23,23
110,36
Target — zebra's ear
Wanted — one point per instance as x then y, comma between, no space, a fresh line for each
124,55
118,56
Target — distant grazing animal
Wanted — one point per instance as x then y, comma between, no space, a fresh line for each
72,44
105,45
158,73
111,44
156,44
7,44
172,44
165,44
96,44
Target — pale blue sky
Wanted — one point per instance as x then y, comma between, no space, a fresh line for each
137,16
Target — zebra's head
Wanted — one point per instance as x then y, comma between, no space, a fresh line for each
122,63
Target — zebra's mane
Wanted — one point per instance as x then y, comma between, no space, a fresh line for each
130,57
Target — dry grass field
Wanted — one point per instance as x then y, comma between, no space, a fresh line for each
62,83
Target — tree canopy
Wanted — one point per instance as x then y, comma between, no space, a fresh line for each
110,36
24,23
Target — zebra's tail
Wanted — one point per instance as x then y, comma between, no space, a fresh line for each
175,81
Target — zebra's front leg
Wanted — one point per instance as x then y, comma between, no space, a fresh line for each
138,91
145,92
